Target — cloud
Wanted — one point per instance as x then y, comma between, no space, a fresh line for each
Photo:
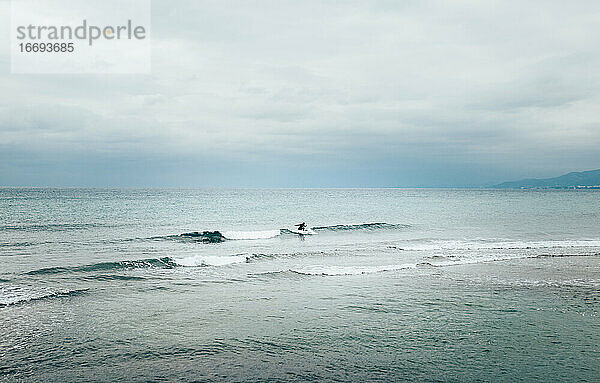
359,93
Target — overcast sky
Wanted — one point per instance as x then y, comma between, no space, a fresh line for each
330,93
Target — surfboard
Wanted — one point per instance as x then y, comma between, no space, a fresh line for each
302,232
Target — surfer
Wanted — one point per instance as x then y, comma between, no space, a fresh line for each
301,226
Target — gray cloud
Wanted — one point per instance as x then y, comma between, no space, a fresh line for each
378,93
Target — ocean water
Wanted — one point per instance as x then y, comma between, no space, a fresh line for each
209,285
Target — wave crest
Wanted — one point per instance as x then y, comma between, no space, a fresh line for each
205,236
162,263
20,299
259,234
362,226
211,260
217,236
351,270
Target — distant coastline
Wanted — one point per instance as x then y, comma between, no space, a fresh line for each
575,180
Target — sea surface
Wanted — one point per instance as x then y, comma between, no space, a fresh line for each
209,285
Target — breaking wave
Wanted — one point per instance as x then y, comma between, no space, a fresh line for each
205,236
264,234
212,260
460,245
24,298
430,262
218,237
350,270
107,271
362,226
150,263
157,263
222,236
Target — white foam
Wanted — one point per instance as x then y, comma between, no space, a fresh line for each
468,261
351,270
210,260
15,294
358,270
468,245
261,234
480,259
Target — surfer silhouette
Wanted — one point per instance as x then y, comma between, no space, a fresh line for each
301,226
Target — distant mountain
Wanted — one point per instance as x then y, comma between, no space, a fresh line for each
586,179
